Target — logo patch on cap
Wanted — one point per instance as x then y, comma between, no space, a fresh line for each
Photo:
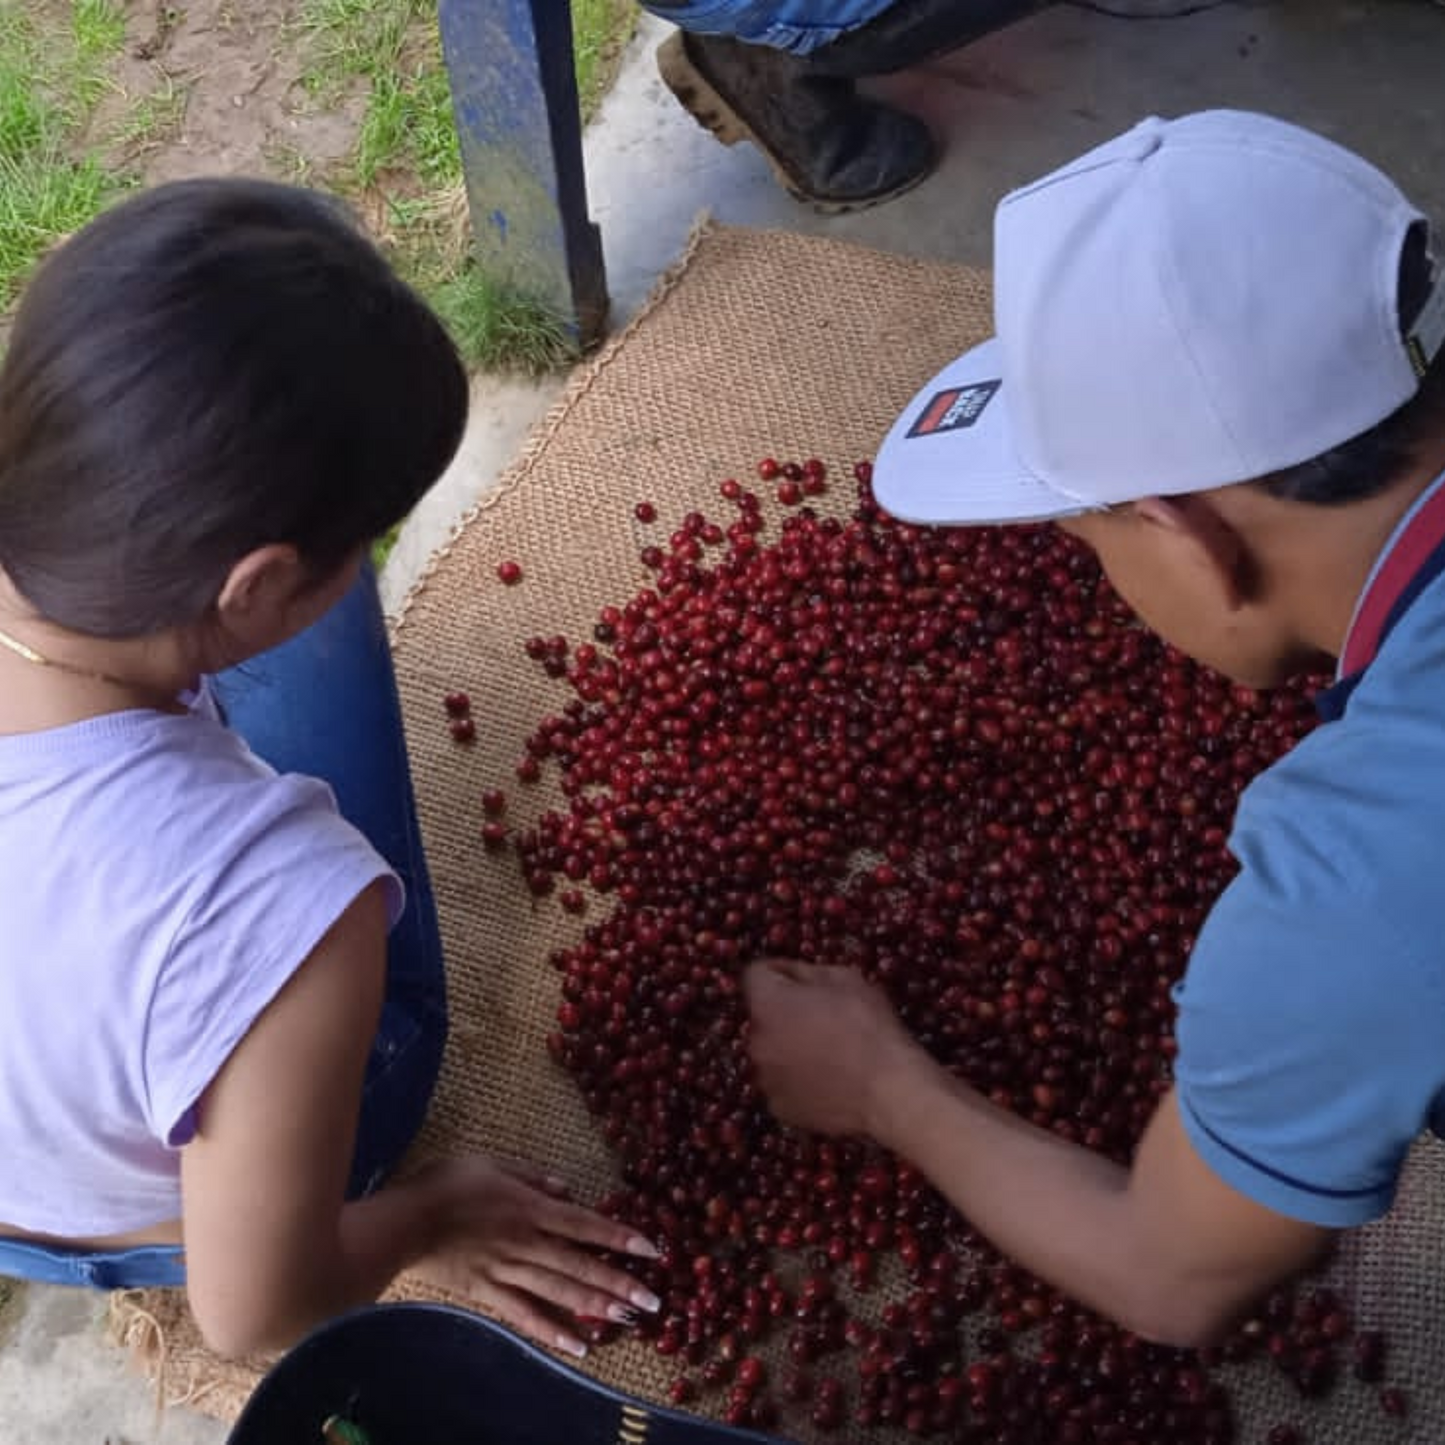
954,408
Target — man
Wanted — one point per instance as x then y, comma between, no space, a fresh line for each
1220,362
783,74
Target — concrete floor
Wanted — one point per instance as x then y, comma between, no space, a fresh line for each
1010,108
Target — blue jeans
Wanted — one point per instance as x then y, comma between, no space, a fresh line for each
325,704
799,26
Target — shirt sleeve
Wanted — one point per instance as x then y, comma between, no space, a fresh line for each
1310,1051
284,866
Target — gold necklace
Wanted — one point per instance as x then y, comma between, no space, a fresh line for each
21,649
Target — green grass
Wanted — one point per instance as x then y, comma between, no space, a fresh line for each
394,46
97,29
347,39
408,122
404,175
600,28
49,85
43,196
381,548
25,119
495,327
408,164
151,117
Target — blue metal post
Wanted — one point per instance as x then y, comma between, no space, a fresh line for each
514,93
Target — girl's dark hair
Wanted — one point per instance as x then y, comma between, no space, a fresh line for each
211,366
1374,460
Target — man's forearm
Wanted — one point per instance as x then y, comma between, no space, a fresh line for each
1060,1210
1166,1247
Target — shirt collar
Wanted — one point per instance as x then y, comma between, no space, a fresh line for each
1412,557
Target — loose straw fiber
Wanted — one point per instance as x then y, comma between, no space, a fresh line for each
759,343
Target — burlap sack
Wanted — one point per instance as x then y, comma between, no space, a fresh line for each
759,343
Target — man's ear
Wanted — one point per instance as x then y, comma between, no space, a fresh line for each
261,584
1206,539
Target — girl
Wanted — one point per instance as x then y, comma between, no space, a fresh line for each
215,397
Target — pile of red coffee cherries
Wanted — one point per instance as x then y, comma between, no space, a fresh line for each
953,760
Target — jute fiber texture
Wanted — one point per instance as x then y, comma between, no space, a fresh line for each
757,344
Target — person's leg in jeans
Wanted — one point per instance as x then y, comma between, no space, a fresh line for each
325,704
144,1267
783,74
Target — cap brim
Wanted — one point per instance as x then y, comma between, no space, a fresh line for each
950,457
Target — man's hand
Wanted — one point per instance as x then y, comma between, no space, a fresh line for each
512,1244
1167,1249
822,1039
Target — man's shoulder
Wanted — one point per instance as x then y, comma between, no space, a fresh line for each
1359,803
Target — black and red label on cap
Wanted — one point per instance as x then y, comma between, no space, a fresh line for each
954,408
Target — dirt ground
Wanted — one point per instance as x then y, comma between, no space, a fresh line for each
237,63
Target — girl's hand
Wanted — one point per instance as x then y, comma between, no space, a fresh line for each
273,1249
512,1243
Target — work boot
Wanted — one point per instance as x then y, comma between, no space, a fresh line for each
827,144
910,32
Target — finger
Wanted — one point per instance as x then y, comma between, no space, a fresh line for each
823,979
524,1315
581,1266
792,969
586,1226
570,1285
773,970
765,989
536,1176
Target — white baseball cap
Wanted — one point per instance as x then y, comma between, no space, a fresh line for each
1195,303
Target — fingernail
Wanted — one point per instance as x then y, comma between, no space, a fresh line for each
644,1248
554,1182
575,1348
644,1299
622,1315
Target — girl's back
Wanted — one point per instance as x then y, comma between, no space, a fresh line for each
172,884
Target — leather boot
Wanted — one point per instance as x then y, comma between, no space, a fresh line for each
827,144
910,32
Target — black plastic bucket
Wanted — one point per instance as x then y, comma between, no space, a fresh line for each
425,1374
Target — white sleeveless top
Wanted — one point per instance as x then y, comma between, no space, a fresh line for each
160,885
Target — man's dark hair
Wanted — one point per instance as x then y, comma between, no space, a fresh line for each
1371,462
211,366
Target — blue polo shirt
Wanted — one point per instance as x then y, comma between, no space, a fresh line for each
1311,1022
